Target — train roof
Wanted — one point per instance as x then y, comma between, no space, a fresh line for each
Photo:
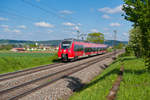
72,39
76,40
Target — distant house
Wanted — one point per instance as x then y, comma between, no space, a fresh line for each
17,49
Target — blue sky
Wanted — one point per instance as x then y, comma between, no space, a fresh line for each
60,19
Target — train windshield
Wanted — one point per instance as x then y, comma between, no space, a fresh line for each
65,44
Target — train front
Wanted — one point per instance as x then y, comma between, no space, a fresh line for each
65,50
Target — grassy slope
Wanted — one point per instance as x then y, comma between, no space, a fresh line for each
100,86
135,85
136,81
10,62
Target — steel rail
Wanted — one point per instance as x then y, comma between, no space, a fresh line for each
28,71
50,75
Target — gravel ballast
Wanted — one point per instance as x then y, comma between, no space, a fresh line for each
64,88
6,84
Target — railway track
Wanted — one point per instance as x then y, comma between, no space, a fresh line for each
8,83
27,71
24,89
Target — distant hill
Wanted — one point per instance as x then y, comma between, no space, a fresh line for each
15,42
111,42
51,42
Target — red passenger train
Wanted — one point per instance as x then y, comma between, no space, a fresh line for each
70,49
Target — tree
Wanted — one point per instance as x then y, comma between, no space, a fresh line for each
95,37
6,47
119,46
138,12
135,41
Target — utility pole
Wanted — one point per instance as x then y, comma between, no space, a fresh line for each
115,36
78,34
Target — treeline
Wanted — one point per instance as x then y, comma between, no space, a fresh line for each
138,12
10,46
6,47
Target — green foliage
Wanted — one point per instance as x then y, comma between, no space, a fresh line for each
32,45
119,46
109,49
138,12
10,62
135,41
128,50
6,47
95,37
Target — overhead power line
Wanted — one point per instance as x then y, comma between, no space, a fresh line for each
46,11
14,12
56,10
18,15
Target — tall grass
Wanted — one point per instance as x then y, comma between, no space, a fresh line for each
136,81
135,84
10,62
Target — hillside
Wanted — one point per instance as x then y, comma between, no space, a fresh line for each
51,42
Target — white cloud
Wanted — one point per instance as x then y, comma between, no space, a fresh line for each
66,12
114,24
43,24
16,31
126,34
108,10
13,31
79,24
68,24
4,26
22,26
7,30
105,16
76,28
50,31
3,19
129,6
106,29
106,33
94,30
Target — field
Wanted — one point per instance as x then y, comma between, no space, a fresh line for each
10,62
135,84
136,81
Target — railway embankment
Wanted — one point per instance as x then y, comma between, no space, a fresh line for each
135,84
64,88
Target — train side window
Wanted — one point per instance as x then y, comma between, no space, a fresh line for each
85,49
80,48
76,48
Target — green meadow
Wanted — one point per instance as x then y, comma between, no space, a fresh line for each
134,86
10,62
